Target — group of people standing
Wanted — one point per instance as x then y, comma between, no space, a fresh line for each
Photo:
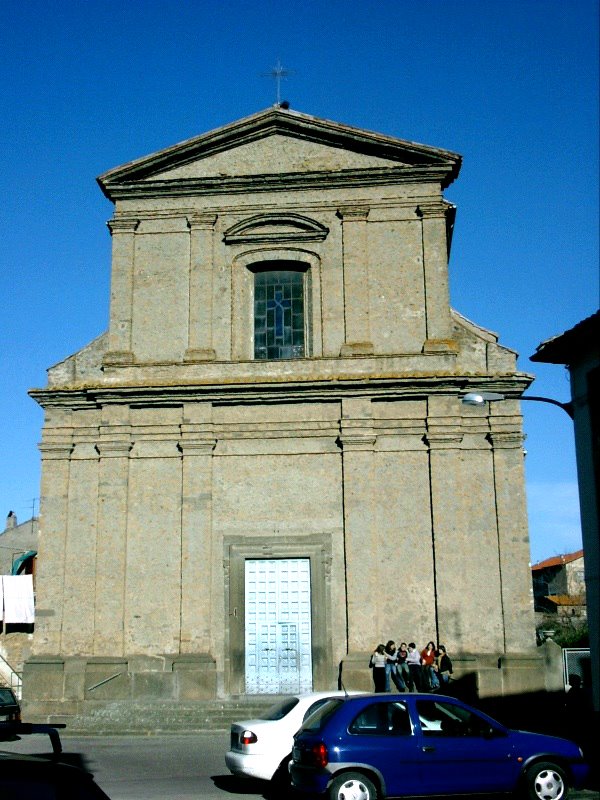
418,671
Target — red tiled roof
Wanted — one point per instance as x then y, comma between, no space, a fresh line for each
556,561
566,599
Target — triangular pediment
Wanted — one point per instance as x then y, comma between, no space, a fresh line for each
273,154
277,142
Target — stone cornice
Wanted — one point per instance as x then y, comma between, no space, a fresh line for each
382,387
432,209
506,440
353,213
354,440
120,224
197,447
198,220
443,440
252,184
52,451
113,449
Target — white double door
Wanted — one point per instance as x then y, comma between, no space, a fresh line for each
278,626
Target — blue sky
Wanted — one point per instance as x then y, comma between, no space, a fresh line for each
512,86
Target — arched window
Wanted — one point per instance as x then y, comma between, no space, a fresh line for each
279,310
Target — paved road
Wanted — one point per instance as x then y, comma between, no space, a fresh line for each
153,767
170,767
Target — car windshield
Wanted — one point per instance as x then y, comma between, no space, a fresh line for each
315,722
280,709
7,697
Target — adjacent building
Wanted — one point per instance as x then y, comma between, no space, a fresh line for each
263,467
579,349
559,587
18,545
18,557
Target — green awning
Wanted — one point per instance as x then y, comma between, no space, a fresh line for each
19,562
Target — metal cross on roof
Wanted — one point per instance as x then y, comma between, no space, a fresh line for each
278,73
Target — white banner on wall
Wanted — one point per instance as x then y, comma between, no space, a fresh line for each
16,599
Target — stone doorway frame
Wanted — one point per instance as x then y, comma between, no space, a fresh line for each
317,548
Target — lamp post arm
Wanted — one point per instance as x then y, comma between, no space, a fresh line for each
479,398
568,407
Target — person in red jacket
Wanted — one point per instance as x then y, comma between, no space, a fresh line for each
430,678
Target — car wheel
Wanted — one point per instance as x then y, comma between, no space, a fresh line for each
352,786
546,781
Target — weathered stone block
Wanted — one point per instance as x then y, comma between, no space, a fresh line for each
153,686
44,678
355,673
196,677
107,679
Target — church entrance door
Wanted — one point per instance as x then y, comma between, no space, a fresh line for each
278,626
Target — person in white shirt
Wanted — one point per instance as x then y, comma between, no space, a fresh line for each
413,659
377,663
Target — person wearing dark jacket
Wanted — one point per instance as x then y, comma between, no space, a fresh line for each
444,666
391,668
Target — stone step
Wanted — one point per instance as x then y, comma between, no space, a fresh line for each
162,717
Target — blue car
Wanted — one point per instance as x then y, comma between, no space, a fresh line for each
369,747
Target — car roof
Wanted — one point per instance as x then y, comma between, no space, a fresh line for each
304,701
332,693
412,697
363,698
387,696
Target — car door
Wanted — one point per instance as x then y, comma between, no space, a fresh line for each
382,735
460,751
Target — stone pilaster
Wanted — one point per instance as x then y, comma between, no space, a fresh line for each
468,581
450,536
513,540
114,445
50,578
435,269
120,344
196,444
357,337
444,456
200,344
357,440
80,553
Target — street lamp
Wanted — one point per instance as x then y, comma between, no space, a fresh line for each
479,398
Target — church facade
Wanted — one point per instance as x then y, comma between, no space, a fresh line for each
263,468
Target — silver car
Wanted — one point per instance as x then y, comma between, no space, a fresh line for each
261,748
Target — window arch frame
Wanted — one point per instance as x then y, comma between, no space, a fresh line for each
244,268
296,268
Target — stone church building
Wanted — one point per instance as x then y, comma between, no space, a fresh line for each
263,468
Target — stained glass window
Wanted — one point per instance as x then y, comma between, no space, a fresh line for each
279,314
